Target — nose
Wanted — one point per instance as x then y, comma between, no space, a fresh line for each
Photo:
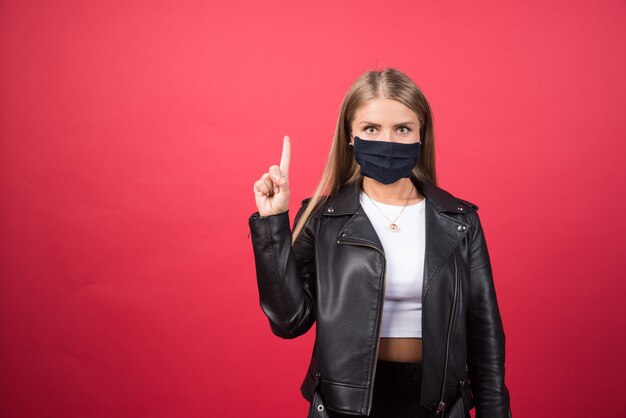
386,135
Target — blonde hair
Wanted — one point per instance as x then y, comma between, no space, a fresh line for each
341,167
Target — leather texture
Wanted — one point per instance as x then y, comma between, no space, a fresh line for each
334,276
317,408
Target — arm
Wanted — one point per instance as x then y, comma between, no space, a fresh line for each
285,274
486,339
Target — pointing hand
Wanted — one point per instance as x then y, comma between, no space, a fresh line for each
271,191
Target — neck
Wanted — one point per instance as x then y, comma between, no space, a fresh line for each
394,193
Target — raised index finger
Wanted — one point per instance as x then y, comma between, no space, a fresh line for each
286,156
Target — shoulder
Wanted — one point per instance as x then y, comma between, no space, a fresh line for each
304,203
446,201
467,203
470,214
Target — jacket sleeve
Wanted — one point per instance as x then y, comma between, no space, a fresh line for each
486,339
285,273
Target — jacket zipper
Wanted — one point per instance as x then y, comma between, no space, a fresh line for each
441,407
371,394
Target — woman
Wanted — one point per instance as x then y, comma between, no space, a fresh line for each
393,270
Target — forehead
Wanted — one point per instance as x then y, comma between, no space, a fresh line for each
379,110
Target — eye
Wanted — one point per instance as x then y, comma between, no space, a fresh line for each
368,127
407,129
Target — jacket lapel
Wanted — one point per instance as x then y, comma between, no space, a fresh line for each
443,232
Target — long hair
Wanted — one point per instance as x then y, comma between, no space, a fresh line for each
341,167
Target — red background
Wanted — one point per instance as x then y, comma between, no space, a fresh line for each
131,134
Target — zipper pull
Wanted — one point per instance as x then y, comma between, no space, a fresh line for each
440,408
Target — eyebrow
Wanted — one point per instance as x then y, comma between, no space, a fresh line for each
376,124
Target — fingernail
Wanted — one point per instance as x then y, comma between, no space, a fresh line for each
275,177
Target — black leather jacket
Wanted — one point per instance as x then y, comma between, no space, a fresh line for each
334,275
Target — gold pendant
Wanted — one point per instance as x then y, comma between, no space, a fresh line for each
393,227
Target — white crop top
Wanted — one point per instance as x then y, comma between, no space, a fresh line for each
404,251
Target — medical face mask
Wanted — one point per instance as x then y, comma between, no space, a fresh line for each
386,161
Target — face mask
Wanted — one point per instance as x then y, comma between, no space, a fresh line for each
386,161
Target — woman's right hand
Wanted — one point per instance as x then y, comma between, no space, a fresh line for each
271,191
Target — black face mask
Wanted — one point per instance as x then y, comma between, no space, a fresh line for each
386,161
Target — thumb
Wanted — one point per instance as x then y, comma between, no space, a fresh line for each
282,182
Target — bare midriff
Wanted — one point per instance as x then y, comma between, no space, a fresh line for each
408,350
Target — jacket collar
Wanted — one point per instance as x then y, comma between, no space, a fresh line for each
346,200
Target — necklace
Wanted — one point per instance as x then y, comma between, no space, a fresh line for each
393,226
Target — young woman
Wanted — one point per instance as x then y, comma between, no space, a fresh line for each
394,270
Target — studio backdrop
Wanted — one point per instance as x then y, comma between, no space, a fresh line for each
132,132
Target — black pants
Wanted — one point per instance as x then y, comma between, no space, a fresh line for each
397,388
